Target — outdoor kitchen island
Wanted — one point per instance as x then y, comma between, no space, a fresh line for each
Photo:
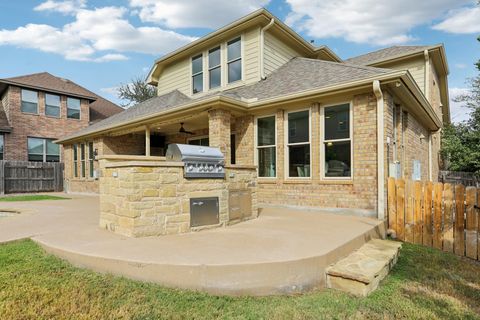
144,196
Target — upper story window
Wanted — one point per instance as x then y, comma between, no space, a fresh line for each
266,147
197,74
298,144
45,150
214,68
29,101
73,108
52,105
337,141
234,60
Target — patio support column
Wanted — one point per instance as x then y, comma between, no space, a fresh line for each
219,132
147,141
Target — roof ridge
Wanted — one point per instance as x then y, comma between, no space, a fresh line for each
345,64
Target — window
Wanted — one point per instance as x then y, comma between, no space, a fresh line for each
75,161
199,141
52,105
91,157
29,101
214,68
197,74
234,60
337,141
82,159
266,147
298,144
73,108
1,146
45,150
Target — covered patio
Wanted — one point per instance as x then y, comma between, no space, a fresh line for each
283,251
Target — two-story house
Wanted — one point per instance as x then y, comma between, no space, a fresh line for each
322,131
37,109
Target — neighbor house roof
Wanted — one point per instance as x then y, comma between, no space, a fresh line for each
103,108
386,54
296,76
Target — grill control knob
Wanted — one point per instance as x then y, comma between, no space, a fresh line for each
190,167
210,168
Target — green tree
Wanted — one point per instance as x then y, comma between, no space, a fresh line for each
135,92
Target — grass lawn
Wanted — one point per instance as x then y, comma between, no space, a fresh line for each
425,284
32,197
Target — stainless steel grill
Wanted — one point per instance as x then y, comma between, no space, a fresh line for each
200,161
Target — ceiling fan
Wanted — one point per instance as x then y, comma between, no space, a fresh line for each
182,129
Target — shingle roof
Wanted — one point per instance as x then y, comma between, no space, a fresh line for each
385,54
297,75
103,108
4,124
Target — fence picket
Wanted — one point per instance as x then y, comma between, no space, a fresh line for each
427,215
477,211
437,216
400,184
418,216
459,242
448,218
392,203
471,224
409,221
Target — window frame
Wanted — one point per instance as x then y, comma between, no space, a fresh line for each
219,66
2,143
287,145
79,108
44,149
202,73
83,150
75,160
199,138
257,147
21,100
59,105
91,159
323,140
227,62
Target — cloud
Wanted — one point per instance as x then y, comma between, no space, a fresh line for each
65,7
458,111
463,20
367,21
192,14
98,35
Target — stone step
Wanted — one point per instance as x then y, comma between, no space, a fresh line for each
361,271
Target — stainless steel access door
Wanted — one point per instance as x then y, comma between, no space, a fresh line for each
204,211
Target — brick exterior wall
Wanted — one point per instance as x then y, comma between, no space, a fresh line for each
219,128
37,125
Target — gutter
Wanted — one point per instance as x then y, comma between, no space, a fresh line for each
262,48
380,151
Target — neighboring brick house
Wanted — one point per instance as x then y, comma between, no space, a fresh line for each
321,131
37,109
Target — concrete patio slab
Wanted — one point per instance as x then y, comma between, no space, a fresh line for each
283,251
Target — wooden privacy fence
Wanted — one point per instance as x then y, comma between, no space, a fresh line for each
440,215
24,176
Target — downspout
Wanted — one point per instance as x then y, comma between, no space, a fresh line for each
262,48
380,151
430,156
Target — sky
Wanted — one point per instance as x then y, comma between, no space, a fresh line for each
103,44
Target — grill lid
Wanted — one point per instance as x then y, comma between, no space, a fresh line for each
188,152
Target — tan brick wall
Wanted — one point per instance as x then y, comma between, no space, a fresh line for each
244,137
150,199
219,129
129,144
38,125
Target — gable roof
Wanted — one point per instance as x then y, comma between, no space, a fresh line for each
103,108
385,54
296,76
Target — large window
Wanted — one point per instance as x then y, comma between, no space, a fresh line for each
337,141
29,101
266,147
45,150
234,60
2,143
75,161
199,141
91,157
73,108
298,144
82,159
214,68
197,74
52,105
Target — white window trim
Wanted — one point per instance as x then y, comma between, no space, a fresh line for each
75,161
322,141
218,66
91,159
204,64
287,145
242,57
255,138
59,107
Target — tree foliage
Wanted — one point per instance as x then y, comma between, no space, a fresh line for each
135,92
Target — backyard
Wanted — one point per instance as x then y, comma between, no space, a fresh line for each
424,284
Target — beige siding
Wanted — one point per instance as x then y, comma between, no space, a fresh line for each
434,91
175,77
416,68
276,53
252,55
